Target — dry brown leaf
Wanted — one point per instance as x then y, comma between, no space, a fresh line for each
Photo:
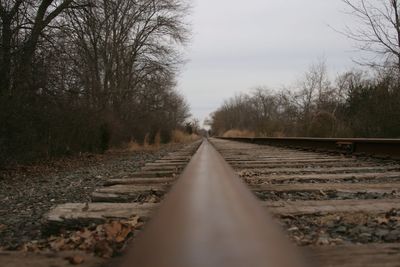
152,199
24,248
58,244
122,235
103,240
103,249
133,221
30,247
75,260
76,239
3,227
112,230
87,244
99,228
84,234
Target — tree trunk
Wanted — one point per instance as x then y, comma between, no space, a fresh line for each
5,68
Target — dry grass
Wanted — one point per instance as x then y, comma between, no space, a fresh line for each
179,137
133,146
239,133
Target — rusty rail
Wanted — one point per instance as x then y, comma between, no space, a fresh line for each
368,146
211,219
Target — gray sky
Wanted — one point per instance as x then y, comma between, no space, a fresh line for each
238,45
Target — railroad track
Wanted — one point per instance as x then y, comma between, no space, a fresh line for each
376,147
344,209
135,196
339,209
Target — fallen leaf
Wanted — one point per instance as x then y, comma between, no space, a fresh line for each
76,239
122,234
133,221
152,199
84,234
112,230
103,240
322,192
103,249
58,244
336,241
24,248
30,247
75,260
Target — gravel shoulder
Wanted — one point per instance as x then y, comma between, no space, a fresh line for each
28,192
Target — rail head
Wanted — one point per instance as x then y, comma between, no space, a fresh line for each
210,218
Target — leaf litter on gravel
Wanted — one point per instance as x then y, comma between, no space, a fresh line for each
105,240
27,193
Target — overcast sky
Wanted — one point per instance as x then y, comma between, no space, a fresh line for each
239,45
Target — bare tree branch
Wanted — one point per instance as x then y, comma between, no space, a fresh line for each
379,30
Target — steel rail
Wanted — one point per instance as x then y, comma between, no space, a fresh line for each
211,219
369,146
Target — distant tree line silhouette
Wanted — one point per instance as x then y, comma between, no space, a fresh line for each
355,105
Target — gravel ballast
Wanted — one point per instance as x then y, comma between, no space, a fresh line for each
28,192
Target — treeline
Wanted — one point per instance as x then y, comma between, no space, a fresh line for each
81,75
354,105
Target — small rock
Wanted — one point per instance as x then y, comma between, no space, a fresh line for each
392,236
364,229
330,224
355,230
381,232
336,241
365,237
323,240
341,229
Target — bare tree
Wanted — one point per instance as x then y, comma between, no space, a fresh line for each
314,93
23,23
123,46
379,29
76,75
